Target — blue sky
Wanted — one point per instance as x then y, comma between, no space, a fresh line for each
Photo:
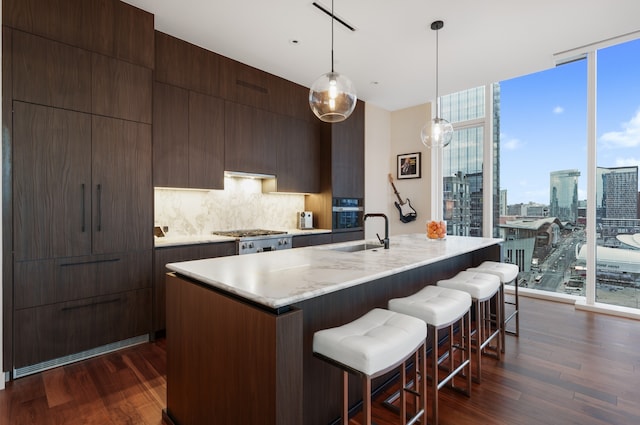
543,122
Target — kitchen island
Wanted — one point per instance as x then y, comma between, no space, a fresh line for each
240,329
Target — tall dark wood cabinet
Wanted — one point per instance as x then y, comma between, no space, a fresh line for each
347,156
342,162
80,187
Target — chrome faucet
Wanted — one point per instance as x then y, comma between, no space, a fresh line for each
384,241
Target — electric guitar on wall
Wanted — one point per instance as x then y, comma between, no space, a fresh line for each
407,212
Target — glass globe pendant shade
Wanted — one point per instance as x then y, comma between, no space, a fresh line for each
438,134
332,97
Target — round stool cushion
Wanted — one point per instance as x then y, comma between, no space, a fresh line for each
479,285
372,343
435,305
506,272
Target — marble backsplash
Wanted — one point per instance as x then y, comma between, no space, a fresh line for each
241,205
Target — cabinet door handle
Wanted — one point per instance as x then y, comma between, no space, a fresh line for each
82,208
99,192
84,263
93,304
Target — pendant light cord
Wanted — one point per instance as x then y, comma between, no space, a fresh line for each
437,83
332,19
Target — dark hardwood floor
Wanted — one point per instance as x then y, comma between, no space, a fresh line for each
567,367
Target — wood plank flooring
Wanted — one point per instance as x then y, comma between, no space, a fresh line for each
567,367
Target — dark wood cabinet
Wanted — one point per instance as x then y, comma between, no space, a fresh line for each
133,35
56,330
206,141
51,182
82,229
185,65
81,23
51,73
109,27
298,154
347,155
122,190
342,169
250,142
120,89
174,254
250,86
347,236
170,136
188,138
58,280
77,79
68,199
299,241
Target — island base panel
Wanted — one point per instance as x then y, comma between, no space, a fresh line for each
229,361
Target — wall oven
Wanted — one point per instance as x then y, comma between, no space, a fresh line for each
348,213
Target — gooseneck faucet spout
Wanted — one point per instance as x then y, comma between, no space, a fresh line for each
384,241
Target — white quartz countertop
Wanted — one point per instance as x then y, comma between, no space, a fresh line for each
280,278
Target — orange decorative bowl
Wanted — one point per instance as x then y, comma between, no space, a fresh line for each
436,230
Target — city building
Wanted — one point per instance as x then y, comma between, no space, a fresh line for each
503,202
563,196
617,192
462,167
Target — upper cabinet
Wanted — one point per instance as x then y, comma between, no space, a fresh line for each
188,139
244,84
347,155
298,154
120,89
187,66
109,27
51,73
250,139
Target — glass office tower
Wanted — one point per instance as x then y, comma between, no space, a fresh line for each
462,167
563,197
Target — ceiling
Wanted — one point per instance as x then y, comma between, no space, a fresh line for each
391,55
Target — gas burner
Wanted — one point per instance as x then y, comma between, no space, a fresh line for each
248,233
258,240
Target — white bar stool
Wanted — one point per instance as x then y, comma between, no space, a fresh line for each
370,346
442,308
482,287
508,273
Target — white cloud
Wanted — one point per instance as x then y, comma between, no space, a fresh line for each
510,144
558,110
627,162
628,137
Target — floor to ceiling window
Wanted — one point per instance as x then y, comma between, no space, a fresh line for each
463,176
617,279
543,163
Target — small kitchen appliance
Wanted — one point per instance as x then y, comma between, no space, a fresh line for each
305,220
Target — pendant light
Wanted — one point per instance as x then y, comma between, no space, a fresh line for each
439,132
333,96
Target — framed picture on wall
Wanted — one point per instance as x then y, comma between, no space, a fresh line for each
409,166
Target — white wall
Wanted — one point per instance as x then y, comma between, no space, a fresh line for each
405,138
388,134
377,136
1,290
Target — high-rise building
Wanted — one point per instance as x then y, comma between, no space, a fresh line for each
462,167
563,196
503,201
617,190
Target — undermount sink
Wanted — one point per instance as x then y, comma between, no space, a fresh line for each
356,248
